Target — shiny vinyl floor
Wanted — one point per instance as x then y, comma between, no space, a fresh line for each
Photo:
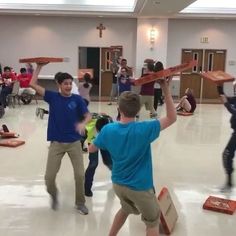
186,159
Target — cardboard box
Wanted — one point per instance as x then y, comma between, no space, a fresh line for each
11,143
217,77
8,135
169,214
165,73
220,205
41,60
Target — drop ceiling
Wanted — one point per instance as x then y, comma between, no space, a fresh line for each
121,8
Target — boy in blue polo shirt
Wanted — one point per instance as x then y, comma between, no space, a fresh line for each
128,143
65,109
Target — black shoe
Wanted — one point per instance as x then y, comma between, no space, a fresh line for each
54,203
226,188
88,193
5,129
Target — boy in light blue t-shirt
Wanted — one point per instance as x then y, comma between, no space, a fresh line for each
128,143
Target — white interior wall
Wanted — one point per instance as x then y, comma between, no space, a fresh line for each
33,36
188,33
30,36
143,49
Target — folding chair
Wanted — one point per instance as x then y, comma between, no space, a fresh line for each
11,98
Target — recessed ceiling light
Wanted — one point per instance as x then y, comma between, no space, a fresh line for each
37,14
156,2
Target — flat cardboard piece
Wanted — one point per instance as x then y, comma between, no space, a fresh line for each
165,73
11,143
9,135
220,205
169,214
217,77
184,113
41,60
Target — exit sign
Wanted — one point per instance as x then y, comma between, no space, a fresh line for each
204,40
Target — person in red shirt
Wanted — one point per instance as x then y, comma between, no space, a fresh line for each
8,79
25,91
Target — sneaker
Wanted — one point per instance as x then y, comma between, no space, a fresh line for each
82,209
153,115
226,188
179,109
88,193
5,129
85,149
109,103
54,203
37,111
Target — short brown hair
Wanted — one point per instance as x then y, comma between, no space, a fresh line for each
129,104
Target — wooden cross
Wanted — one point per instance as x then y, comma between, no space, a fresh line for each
101,28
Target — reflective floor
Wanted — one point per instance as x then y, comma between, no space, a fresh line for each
186,159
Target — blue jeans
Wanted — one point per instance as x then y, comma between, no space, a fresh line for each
93,163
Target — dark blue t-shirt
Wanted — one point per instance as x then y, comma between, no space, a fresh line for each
124,84
64,113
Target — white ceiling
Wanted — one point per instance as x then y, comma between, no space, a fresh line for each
113,8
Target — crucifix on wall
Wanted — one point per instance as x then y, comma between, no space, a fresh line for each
101,28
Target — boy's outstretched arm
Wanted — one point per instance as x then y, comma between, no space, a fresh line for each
225,100
33,83
170,117
80,127
92,148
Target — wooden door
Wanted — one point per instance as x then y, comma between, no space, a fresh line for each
109,55
191,78
213,60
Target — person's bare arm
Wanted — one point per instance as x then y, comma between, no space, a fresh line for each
92,148
80,127
170,117
33,83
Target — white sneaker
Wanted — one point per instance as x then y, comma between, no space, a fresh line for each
153,115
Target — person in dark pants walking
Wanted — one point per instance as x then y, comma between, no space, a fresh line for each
93,157
158,98
229,151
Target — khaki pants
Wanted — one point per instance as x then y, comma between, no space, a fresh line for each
56,152
139,202
148,101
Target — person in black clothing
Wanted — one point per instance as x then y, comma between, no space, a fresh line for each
158,99
228,153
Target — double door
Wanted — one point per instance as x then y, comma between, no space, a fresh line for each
208,60
109,58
